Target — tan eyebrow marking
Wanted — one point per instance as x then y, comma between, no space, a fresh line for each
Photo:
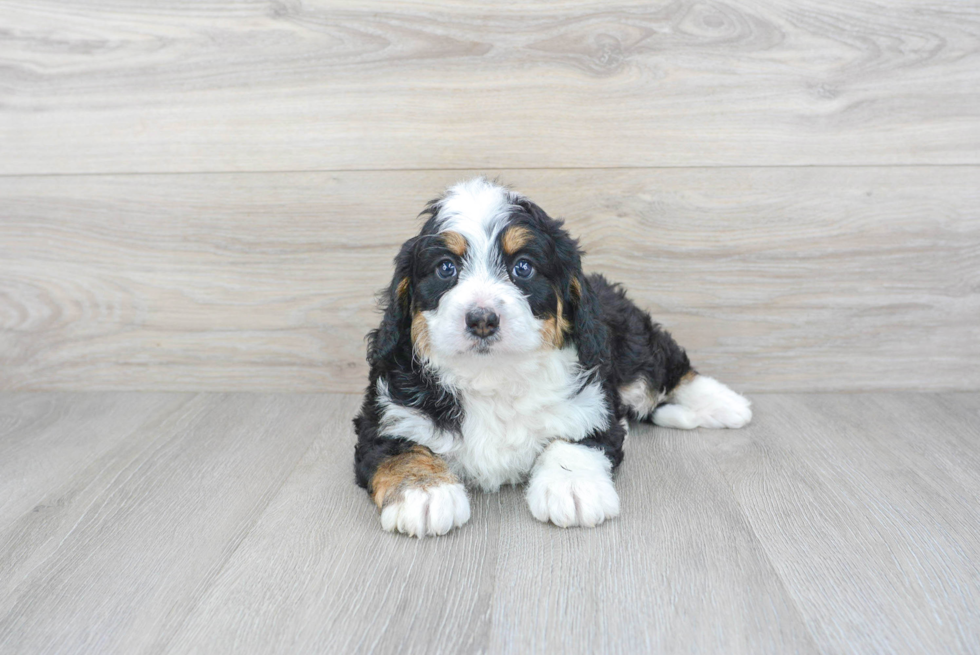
455,242
514,238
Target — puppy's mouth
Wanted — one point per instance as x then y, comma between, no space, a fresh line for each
483,345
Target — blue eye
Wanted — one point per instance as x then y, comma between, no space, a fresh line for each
446,269
523,269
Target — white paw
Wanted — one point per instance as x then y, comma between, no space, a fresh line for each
704,403
431,511
572,485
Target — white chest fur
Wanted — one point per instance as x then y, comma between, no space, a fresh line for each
512,410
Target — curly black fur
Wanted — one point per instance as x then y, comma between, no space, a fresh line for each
615,340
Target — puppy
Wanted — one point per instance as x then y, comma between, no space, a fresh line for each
498,361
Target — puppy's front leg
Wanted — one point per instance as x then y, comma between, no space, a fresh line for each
571,484
418,494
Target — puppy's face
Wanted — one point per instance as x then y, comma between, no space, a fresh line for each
490,274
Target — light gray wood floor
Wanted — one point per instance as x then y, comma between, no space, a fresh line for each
213,523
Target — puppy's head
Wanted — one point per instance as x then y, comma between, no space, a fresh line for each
489,274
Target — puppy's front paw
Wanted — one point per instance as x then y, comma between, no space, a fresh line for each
572,485
418,495
427,511
704,403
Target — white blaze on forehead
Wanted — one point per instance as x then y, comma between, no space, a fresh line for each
477,209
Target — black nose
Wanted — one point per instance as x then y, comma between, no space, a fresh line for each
482,322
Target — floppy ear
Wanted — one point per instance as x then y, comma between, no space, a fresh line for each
396,301
589,331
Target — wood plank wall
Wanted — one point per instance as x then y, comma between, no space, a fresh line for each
206,195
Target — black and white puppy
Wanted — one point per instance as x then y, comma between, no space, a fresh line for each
498,361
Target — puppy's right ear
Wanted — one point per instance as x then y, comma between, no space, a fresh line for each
396,302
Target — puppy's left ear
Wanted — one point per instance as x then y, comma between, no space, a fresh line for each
397,303
589,332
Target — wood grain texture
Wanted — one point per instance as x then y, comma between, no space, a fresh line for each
317,574
836,486
124,550
135,86
231,524
773,278
680,571
32,424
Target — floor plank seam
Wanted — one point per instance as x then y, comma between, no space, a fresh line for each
828,525
245,532
772,566
101,499
762,550
153,423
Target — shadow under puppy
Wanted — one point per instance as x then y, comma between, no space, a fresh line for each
498,361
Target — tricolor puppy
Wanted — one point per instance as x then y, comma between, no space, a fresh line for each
499,362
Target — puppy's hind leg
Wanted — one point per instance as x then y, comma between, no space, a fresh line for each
702,402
